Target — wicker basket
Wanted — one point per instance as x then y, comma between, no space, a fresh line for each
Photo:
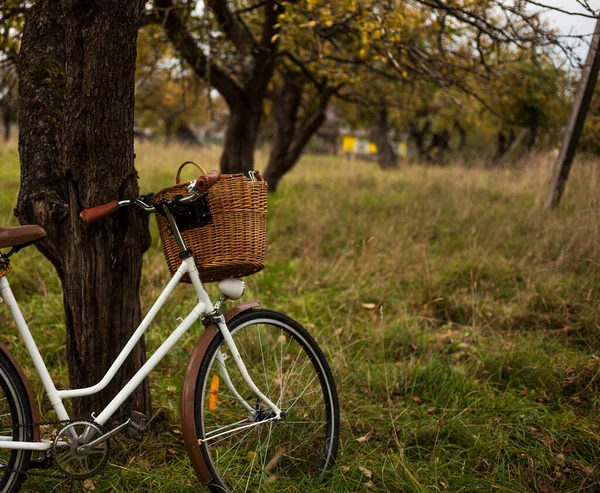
233,243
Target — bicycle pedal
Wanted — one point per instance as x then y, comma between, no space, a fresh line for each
44,462
137,426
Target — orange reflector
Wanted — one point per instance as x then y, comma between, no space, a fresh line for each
214,393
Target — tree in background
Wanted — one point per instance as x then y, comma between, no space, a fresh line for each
448,57
240,72
168,95
306,81
9,104
76,147
590,139
11,26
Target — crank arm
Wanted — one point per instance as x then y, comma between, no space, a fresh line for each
84,448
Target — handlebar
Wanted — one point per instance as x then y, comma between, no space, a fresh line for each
206,181
94,214
199,188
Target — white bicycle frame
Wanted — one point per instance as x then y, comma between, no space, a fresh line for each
56,397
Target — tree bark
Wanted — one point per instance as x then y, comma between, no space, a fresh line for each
290,135
583,99
76,144
386,157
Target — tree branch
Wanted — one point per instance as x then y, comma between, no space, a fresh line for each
231,26
194,56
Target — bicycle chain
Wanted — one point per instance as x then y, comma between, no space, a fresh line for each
63,423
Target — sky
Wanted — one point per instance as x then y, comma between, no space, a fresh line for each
572,24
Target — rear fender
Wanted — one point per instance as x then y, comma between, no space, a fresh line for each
188,422
19,370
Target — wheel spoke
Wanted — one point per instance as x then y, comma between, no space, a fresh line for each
281,359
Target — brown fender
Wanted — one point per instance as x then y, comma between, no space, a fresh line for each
188,422
34,413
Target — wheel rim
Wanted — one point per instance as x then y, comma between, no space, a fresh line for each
6,429
11,414
291,451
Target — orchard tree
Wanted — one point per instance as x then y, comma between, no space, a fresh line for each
452,53
242,69
76,148
168,95
9,106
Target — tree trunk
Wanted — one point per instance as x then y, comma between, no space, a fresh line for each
462,136
501,147
290,136
7,123
76,145
386,157
240,139
169,123
533,135
419,136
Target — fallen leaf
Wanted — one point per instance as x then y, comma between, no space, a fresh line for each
366,472
171,451
344,469
365,438
279,453
416,398
369,306
88,484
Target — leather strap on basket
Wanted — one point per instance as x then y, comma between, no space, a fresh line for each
183,165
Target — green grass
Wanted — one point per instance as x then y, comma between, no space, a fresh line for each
461,321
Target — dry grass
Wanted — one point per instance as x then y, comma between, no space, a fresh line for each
460,318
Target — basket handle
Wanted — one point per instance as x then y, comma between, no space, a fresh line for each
178,176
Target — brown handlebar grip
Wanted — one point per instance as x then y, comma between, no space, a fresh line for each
94,214
208,180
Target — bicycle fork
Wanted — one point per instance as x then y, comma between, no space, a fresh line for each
220,320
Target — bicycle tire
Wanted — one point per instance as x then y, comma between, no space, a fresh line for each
277,464
15,414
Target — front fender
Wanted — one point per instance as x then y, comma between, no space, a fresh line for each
188,421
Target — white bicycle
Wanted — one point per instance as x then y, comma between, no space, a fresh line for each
259,407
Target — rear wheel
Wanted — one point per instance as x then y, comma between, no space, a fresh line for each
16,422
286,364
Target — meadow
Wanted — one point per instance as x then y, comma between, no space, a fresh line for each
461,321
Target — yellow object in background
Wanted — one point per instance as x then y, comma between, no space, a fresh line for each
403,149
355,145
214,393
348,143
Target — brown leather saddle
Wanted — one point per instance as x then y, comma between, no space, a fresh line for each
21,236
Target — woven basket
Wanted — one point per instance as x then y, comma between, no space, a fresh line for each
233,243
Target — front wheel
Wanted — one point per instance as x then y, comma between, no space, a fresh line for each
286,364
